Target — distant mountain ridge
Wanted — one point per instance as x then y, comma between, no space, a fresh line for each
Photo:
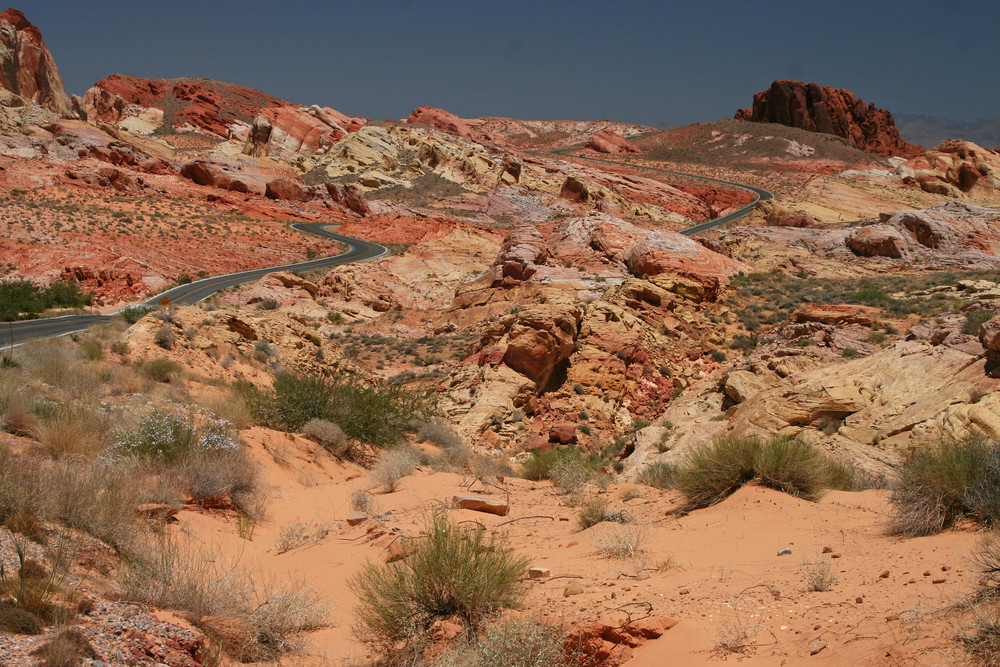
932,130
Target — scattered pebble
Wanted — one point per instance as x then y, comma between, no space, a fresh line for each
785,552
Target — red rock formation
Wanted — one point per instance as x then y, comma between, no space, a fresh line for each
954,168
26,66
609,141
447,122
831,111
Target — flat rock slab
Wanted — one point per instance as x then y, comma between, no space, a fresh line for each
354,518
481,504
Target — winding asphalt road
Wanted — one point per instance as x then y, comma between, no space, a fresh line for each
759,194
12,333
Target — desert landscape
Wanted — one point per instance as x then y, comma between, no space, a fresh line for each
606,395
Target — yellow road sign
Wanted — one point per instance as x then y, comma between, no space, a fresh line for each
164,302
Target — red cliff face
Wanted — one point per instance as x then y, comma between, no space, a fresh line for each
26,66
832,111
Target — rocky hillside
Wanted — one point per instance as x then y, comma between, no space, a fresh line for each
831,111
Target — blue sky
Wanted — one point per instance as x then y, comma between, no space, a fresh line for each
668,63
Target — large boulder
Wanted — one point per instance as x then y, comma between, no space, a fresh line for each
836,111
878,241
609,141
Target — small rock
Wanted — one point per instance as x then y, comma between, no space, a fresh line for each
785,552
939,580
574,588
945,568
834,555
684,590
892,617
481,504
912,581
884,575
564,518
614,595
817,646
354,518
858,600
539,572
827,550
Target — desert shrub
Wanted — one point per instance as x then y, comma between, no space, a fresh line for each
394,466
170,434
975,321
19,621
132,314
92,349
540,464
791,466
709,473
819,576
96,498
165,337
251,619
329,435
440,433
658,474
983,644
160,370
593,512
377,416
292,401
571,473
66,649
71,429
619,540
939,486
216,475
450,572
363,501
987,557
521,642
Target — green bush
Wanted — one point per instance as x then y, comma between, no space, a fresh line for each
975,321
449,573
160,370
521,642
22,299
377,416
940,486
540,464
133,314
710,473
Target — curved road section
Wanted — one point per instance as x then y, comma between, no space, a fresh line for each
759,194
12,333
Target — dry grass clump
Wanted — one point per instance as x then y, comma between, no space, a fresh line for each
363,501
939,486
253,620
66,649
440,433
710,473
658,474
619,540
568,467
520,642
72,429
819,575
394,466
982,640
450,572
330,436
